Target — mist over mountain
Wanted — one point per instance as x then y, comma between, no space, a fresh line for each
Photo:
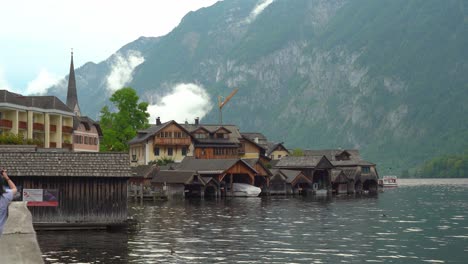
387,77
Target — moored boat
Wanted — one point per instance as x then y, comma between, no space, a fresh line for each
244,190
388,181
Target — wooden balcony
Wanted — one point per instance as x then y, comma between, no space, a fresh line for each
5,123
38,126
23,125
173,141
67,129
53,128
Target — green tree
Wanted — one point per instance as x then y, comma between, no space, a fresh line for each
297,152
121,126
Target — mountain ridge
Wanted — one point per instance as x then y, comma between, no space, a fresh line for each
383,76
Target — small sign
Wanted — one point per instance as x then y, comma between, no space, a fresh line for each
41,197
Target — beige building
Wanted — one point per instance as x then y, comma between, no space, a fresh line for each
48,122
44,119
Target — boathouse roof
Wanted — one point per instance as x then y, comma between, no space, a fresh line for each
338,176
304,162
144,171
174,176
210,166
66,164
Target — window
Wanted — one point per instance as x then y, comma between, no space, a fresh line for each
200,135
219,135
156,151
170,151
365,169
184,151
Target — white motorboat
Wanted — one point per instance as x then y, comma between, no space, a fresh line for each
388,181
243,190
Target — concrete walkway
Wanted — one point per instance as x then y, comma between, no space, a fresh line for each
18,244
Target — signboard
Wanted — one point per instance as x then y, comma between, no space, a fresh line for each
41,197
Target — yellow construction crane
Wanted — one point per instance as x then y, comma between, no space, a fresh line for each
221,103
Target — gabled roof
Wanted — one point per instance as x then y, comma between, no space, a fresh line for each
253,143
304,162
257,137
174,176
338,176
144,171
274,146
351,173
254,162
143,135
331,154
234,134
87,122
290,176
210,166
66,164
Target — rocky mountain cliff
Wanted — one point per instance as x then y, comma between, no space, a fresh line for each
387,77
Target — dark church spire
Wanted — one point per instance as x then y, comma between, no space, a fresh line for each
72,97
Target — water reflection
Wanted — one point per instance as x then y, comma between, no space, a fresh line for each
408,224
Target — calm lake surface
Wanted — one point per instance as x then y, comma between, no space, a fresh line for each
421,221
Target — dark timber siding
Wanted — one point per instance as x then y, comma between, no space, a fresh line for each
85,200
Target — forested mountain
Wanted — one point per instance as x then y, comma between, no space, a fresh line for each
388,77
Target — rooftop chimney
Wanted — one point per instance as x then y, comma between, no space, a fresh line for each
158,121
197,120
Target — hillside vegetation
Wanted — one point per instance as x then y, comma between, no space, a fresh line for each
387,77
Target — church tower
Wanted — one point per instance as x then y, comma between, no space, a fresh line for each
72,97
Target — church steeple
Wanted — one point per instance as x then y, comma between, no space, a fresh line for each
72,97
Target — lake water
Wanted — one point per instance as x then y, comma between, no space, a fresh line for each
421,221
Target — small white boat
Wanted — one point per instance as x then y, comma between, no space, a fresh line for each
243,190
388,181
321,192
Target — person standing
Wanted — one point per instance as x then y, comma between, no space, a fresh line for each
5,198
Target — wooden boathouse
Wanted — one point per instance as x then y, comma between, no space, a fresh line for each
204,177
70,189
316,168
289,182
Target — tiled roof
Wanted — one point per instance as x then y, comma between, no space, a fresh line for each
340,163
174,176
87,122
332,153
210,165
143,135
66,164
298,162
338,176
270,147
144,171
42,102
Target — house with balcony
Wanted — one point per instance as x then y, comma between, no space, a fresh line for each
44,119
212,141
171,140
167,140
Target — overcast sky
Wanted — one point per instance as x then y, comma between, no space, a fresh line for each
36,35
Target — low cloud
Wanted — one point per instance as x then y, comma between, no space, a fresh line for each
42,82
258,9
122,69
185,102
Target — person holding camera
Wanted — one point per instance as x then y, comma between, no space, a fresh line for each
6,196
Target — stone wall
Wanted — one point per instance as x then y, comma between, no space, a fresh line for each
18,244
